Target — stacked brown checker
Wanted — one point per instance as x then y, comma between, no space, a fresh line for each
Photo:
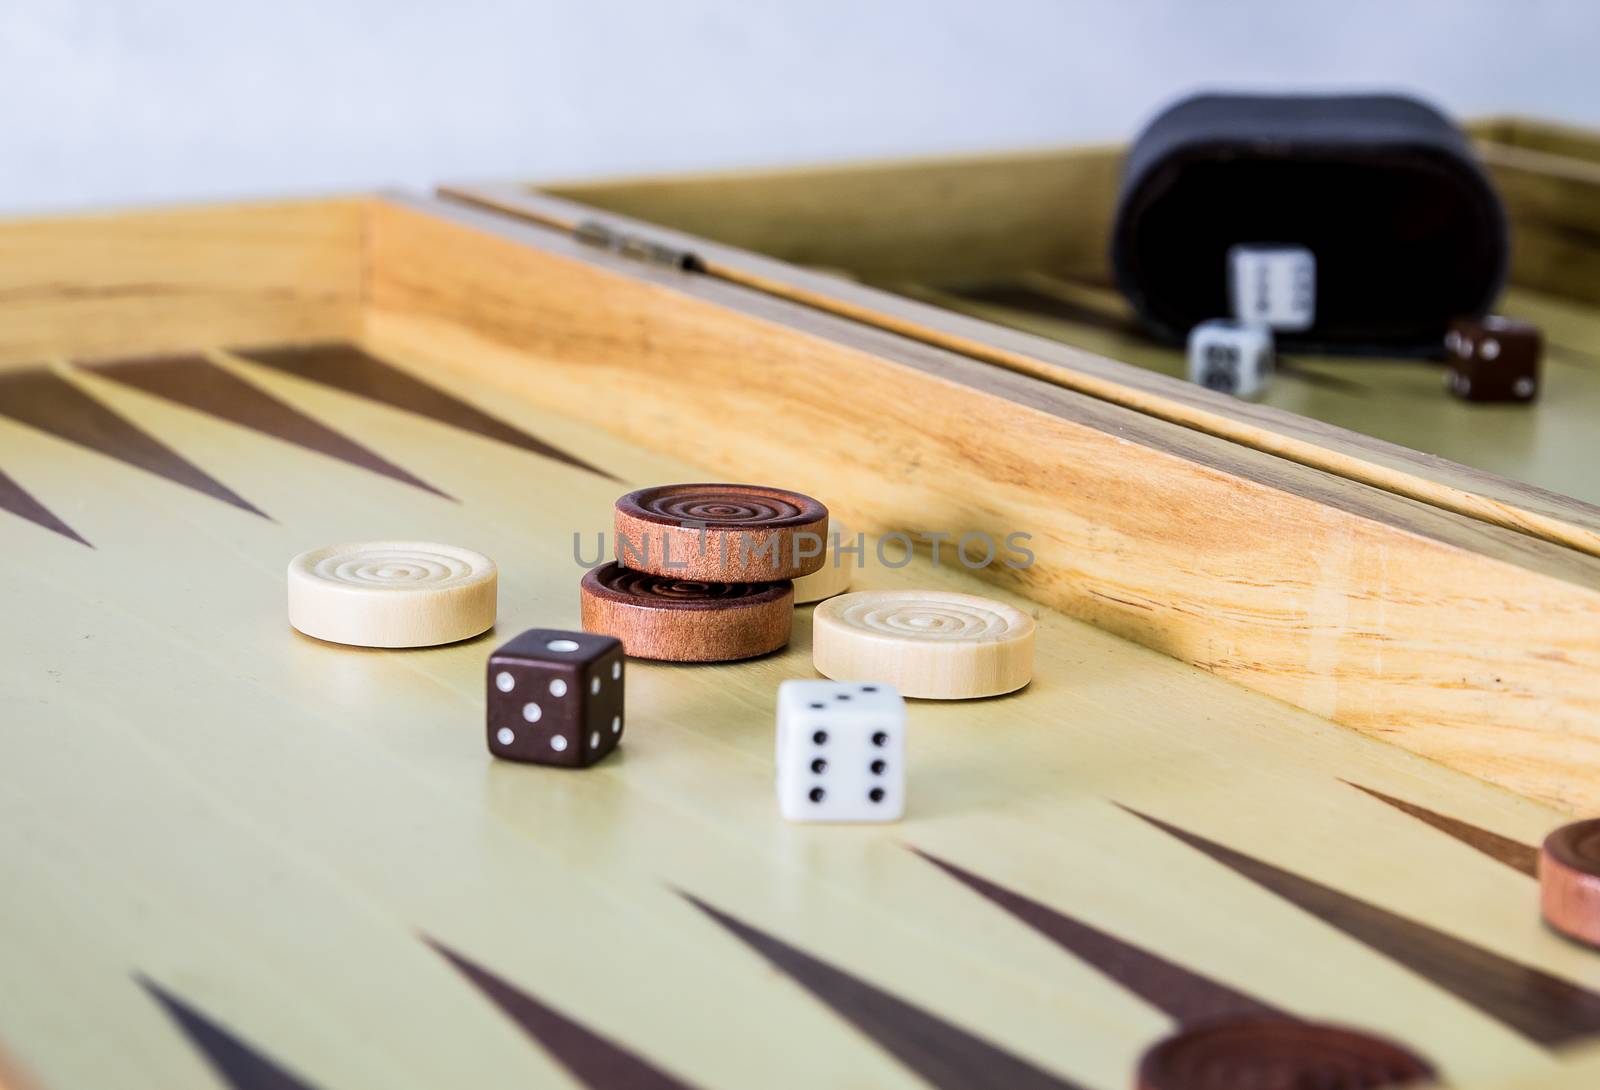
1569,880
703,571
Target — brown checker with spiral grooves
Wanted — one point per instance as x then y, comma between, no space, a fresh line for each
1278,1054
682,620
721,533
1569,880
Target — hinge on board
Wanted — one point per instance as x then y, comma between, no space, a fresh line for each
637,247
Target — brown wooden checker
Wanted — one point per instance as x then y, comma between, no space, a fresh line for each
682,620
1277,1054
1569,880
721,533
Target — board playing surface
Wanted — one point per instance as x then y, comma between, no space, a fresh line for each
231,855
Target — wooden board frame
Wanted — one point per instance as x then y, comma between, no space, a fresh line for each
174,278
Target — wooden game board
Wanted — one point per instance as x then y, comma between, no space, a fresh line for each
1003,259
233,856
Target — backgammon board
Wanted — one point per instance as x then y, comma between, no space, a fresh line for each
235,856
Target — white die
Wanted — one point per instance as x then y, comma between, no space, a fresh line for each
841,751
1230,357
1275,285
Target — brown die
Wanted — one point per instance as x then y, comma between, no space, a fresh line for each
1494,359
555,697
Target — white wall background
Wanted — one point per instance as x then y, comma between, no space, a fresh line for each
124,101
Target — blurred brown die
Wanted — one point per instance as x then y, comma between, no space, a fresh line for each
1494,359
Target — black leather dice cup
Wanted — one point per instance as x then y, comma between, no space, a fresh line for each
1384,190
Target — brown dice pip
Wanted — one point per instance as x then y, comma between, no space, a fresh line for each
1494,359
555,698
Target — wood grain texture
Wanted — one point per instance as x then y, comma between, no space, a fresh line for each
1569,880
1324,592
721,533
676,620
1385,464
928,644
392,593
150,281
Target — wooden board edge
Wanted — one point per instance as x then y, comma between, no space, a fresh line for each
1369,608
1356,457
1552,201
953,215
1563,138
832,168
170,278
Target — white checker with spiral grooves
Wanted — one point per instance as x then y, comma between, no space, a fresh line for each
930,644
392,593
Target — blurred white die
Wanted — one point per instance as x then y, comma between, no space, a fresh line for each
841,751
1275,285
1230,357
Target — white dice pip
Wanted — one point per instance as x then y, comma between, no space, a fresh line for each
841,751
1231,357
